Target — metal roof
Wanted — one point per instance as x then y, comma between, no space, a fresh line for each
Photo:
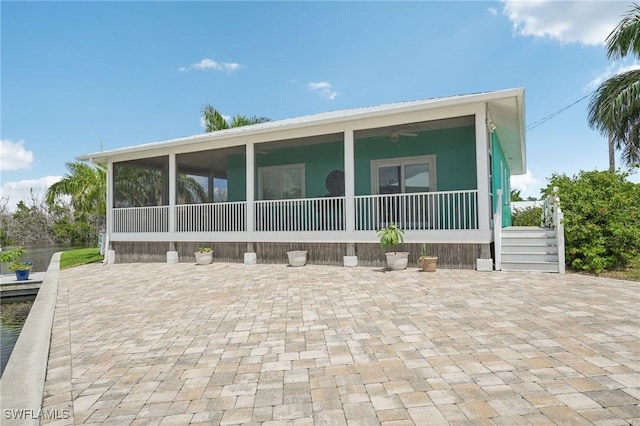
331,118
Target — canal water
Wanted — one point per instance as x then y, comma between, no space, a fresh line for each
14,310
13,314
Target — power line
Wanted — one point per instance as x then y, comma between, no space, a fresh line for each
558,112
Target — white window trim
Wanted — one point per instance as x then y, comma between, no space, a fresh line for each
282,167
403,161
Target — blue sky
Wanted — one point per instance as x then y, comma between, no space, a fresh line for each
80,76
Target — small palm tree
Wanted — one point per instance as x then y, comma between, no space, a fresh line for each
86,185
214,121
614,109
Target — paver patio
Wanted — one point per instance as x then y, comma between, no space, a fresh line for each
239,344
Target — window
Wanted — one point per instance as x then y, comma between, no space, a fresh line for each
281,182
404,175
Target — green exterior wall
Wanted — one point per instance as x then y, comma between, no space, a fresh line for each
237,177
319,161
455,151
501,179
454,148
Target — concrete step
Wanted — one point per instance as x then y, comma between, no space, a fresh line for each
529,257
530,266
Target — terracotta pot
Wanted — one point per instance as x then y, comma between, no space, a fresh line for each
428,263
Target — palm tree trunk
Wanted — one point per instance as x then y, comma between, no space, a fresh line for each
612,155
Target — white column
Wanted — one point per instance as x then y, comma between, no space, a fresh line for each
482,167
349,193
109,255
250,153
109,201
349,182
172,192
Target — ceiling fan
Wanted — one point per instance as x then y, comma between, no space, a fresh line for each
395,135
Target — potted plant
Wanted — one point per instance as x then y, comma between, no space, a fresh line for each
427,263
391,237
297,257
13,258
204,256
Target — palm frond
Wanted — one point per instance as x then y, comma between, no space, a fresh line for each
213,120
625,37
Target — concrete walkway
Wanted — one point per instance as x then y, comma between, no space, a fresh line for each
235,344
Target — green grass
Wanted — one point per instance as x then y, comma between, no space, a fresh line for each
631,273
78,257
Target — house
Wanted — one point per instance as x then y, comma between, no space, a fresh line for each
324,183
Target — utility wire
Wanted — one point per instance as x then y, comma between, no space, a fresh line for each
558,112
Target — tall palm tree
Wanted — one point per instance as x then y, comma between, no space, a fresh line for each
214,121
614,109
86,185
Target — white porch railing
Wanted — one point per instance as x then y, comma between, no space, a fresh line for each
418,211
447,210
141,219
209,217
303,214
552,217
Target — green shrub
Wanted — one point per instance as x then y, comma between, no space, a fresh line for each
601,219
529,216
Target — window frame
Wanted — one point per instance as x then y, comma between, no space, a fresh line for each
281,168
402,162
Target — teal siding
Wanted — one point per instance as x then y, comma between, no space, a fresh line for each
455,151
501,179
319,161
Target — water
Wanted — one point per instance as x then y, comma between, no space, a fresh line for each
13,314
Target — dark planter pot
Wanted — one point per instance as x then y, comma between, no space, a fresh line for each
22,274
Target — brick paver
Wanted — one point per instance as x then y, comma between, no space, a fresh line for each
250,344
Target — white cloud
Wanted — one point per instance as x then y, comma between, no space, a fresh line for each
13,155
323,88
25,189
584,22
527,184
614,68
210,64
493,11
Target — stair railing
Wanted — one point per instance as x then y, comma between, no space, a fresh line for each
552,218
497,231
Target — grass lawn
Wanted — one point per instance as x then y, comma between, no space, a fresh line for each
631,273
78,257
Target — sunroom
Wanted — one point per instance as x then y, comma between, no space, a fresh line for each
325,182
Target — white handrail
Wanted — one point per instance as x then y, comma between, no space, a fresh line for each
497,231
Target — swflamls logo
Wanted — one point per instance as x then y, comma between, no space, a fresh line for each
30,414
